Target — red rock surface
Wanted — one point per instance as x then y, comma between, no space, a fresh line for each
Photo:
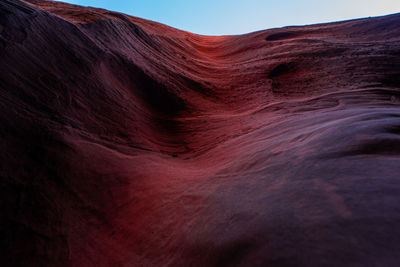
125,142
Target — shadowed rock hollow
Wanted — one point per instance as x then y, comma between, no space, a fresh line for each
127,142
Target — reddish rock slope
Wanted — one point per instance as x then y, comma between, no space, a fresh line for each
125,142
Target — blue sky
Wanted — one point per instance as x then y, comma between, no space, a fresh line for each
220,17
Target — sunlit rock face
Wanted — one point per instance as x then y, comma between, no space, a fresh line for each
125,142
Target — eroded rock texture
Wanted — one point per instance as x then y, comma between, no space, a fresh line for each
127,142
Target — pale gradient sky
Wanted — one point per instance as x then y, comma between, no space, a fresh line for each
213,17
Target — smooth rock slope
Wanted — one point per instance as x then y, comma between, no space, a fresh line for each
125,142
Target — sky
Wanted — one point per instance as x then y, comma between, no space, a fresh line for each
224,17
